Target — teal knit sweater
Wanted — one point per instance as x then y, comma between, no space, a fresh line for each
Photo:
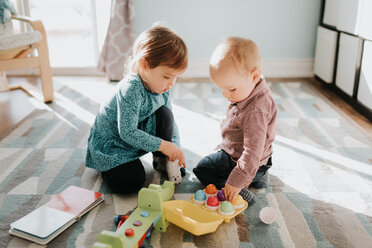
125,126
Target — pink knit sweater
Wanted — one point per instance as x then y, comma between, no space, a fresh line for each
248,132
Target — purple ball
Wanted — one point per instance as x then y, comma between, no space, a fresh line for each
220,195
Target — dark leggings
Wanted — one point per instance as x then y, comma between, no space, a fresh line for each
130,177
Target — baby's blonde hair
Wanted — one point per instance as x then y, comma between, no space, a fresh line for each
158,45
243,54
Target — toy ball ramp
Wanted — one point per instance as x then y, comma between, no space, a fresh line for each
148,213
193,219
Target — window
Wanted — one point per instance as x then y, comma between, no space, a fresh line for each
76,30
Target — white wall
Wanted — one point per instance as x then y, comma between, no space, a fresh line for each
285,30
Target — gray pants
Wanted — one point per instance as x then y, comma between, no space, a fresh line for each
216,168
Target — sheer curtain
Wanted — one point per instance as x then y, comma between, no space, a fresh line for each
119,40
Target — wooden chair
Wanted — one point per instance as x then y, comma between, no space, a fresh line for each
21,57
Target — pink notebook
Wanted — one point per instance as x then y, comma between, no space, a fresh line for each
48,221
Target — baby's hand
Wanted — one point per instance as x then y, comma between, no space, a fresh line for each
230,192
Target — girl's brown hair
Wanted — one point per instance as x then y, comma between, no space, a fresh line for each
158,45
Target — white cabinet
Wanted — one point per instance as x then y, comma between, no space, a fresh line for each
325,52
349,15
365,30
365,82
331,10
348,59
346,33
354,16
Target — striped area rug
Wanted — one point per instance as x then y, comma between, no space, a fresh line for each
320,184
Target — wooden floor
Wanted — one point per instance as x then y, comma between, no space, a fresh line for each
15,105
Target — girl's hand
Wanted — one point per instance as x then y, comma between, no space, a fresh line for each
181,158
172,151
169,149
230,192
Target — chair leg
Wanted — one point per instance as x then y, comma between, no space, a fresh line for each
45,72
3,82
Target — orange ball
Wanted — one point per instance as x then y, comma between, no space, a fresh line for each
210,189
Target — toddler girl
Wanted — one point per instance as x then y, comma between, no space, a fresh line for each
138,119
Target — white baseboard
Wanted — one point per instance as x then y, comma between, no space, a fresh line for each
288,68
280,68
